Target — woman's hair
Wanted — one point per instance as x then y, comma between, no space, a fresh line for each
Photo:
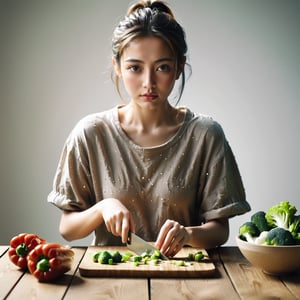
150,19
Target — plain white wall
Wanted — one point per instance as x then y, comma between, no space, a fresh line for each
55,68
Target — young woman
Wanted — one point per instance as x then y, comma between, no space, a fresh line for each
148,166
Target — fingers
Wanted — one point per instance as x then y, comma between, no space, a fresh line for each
118,219
127,225
119,224
171,238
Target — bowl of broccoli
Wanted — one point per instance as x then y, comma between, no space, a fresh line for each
271,240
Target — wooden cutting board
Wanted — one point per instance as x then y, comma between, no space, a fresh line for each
164,269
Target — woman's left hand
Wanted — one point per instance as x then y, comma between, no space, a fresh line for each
171,238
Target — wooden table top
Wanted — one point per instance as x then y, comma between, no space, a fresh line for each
235,278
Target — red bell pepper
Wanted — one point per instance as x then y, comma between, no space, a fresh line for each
20,246
49,261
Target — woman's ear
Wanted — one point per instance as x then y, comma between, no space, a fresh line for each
116,67
181,67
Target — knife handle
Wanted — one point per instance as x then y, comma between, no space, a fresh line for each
129,238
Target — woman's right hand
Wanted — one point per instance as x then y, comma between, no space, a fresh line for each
117,218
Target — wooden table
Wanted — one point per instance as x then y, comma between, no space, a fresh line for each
234,278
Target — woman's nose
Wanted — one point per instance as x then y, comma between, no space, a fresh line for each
149,80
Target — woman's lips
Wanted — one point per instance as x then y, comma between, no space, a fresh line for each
149,96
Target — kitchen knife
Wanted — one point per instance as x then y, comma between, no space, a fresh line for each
139,246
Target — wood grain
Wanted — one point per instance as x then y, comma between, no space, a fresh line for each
234,278
251,282
217,287
164,269
30,288
9,275
93,288
3,249
292,282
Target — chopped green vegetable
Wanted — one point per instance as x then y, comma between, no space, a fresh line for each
146,260
180,263
96,256
191,257
117,257
125,258
104,257
137,258
157,253
199,256
146,254
154,258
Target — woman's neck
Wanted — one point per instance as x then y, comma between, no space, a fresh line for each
150,127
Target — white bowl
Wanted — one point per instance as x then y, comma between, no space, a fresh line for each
272,260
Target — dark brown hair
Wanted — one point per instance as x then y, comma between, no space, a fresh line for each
150,18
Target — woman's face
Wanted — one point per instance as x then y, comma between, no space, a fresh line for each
149,70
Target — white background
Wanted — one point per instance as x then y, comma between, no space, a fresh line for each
55,69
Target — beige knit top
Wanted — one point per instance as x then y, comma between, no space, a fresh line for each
192,178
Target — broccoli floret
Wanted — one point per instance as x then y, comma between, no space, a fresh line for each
248,231
259,219
96,256
198,256
296,237
156,254
295,225
104,257
260,240
281,215
294,228
117,257
279,236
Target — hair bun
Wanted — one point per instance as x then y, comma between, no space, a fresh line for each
158,5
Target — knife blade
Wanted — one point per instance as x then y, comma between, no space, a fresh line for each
139,246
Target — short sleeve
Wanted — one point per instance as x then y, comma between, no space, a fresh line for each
223,193
72,186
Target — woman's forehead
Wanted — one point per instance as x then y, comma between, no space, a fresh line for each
147,48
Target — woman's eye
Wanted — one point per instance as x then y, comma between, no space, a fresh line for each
164,68
134,68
